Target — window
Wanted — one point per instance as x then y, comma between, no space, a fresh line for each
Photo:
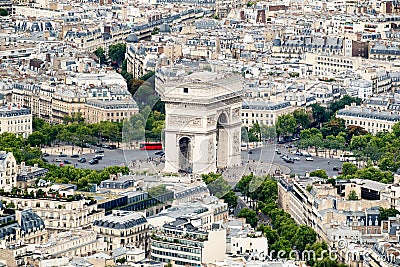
186,90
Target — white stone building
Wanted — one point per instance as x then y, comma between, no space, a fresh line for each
121,228
8,170
15,119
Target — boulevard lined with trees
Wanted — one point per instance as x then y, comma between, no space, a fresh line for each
283,233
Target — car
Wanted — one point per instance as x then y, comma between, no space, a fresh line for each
335,168
97,157
105,146
99,151
284,156
250,152
158,152
45,154
308,155
57,160
309,159
296,158
100,155
298,153
278,152
93,161
340,172
276,149
82,160
62,155
75,156
112,147
45,160
67,161
289,160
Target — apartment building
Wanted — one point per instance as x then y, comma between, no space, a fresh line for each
21,226
372,120
208,211
263,112
185,244
330,214
113,110
28,175
110,103
122,228
76,243
327,66
8,170
59,214
15,119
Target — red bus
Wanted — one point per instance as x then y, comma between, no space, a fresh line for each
151,146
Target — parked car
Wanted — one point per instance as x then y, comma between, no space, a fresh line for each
289,160
308,155
62,155
45,160
57,160
93,161
45,154
309,159
97,157
298,153
82,160
296,158
112,147
99,151
335,168
67,161
278,152
158,152
75,156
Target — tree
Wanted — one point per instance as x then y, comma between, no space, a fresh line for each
3,12
302,118
319,113
304,235
388,163
333,127
345,101
250,216
267,132
352,195
231,199
319,173
117,53
286,125
254,133
386,213
100,55
349,169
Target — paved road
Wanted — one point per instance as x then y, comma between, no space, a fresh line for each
267,154
261,161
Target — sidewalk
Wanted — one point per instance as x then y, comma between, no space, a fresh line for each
68,150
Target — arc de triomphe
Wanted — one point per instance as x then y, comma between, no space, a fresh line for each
203,122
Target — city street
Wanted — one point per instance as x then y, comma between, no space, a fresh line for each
261,161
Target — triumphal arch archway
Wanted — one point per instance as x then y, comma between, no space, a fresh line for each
203,123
